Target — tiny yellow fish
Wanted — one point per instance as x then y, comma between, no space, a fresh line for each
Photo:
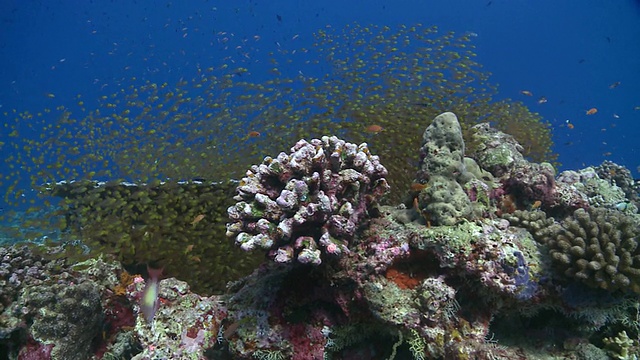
536,204
197,219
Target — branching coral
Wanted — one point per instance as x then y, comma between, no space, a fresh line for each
619,347
309,202
596,246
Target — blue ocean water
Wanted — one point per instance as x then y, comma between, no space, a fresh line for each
577,55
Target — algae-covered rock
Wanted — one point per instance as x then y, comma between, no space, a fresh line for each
68,316
494,150
443,200
186,325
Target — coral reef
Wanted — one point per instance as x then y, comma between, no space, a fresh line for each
412,281
307,203
442,171
51,310
192,337
596,246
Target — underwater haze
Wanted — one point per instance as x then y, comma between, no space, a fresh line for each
573,62
285,179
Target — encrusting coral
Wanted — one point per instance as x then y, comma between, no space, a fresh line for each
309,202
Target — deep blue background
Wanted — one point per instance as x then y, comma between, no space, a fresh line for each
567,51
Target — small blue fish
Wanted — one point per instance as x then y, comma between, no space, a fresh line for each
150,301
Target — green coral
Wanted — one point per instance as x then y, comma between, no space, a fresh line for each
596,246
455,239
619,347
417,345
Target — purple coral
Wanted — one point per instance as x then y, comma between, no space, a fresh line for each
309,202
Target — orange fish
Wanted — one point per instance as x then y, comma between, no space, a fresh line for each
253,134
197,219
418,186
570,125
374,129
592,111
526,92
536,204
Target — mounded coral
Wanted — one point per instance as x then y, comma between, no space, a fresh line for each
20,268
52,310
453,187
596,246
443,200
309,202
65,311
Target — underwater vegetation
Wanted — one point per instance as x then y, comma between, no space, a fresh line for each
372,84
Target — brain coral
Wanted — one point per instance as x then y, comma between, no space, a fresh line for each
596,246
306,202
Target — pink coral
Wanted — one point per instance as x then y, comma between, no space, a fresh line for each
309,202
